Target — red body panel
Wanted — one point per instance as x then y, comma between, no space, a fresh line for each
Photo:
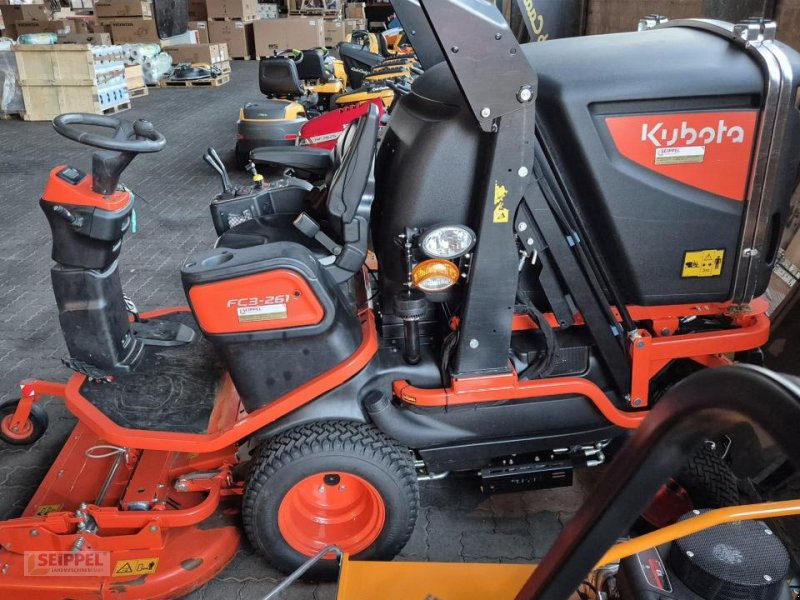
275,299
59,191
711,151
324,130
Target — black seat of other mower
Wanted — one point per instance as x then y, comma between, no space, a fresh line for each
344,221
278,76
312,67
316,161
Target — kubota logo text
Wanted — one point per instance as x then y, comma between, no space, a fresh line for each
688,136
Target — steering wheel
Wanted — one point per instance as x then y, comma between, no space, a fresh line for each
135,137
295,55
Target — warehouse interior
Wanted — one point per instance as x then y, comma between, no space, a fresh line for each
518,339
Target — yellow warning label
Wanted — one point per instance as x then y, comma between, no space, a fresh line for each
135,567
46,509
703,263
500,211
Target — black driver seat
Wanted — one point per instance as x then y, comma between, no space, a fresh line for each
278,78
339,237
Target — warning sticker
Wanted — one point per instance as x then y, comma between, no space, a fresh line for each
501,213
703,263
135,567
269,312
680,155
46,509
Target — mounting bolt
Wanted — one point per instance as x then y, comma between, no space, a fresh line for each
473,343
153,528
454,49
768,531
34,532
486,112
640,344
749,252
767,578
529,241
689,553
525,94
695,512
665,331
523,172
637,402
522,226
83,506
498,36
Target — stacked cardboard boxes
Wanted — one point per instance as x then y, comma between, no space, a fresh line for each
19,19
274,35
231,22
128,21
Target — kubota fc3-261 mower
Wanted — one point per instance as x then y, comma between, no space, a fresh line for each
559,233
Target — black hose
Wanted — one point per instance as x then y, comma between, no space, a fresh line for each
545,363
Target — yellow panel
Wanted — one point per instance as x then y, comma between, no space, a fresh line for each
362,580
703,263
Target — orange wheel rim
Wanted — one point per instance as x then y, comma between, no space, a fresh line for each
331,508
24,433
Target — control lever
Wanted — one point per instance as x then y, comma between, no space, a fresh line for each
310,228
226,180
258,179
227,191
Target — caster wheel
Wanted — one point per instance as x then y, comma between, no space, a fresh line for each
33,429
341,483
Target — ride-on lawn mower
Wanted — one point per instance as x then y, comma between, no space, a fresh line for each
559,232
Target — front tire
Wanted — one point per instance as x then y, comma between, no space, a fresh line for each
31,431
340,483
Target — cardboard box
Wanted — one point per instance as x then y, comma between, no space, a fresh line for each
201,27
268,11
98,39
197,53
134,31
24,27
355,10
244,10
123,8
25,12
334,33
351,25
238,36
82,24
291,32
197,10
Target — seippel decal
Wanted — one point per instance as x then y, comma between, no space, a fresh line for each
501,214
710,151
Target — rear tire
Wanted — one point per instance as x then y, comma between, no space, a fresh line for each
33,429
342,483
242,156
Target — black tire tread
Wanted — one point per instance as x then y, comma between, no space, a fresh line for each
324,437
709,480
38,417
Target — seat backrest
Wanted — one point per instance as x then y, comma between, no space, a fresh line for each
353,178
312,67
277,76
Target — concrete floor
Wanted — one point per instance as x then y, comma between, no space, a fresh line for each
173,190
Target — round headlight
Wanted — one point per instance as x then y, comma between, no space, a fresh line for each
434,275
447,241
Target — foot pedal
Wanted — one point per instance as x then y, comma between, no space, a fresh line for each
155,332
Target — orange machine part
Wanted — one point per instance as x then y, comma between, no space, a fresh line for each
276,299
59,191
707,150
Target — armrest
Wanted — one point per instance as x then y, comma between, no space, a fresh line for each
303,158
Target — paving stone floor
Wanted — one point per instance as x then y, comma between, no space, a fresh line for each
174,188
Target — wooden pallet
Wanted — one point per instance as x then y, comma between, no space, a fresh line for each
224,66
138,92
4,116
222,80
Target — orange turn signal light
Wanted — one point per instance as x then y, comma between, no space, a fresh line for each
435,275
